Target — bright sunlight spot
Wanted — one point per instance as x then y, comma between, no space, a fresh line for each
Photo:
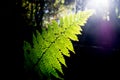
95,4
101,7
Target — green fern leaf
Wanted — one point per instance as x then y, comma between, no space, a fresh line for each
49,46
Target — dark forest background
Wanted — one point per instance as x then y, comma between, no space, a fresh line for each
92,60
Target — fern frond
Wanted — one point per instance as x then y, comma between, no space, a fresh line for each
50,45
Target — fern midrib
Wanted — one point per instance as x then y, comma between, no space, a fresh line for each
39,59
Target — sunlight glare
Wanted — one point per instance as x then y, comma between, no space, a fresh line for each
101,2
99,6
94,4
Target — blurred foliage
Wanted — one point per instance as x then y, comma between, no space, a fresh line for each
40,12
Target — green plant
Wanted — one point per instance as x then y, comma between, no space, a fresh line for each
49,46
